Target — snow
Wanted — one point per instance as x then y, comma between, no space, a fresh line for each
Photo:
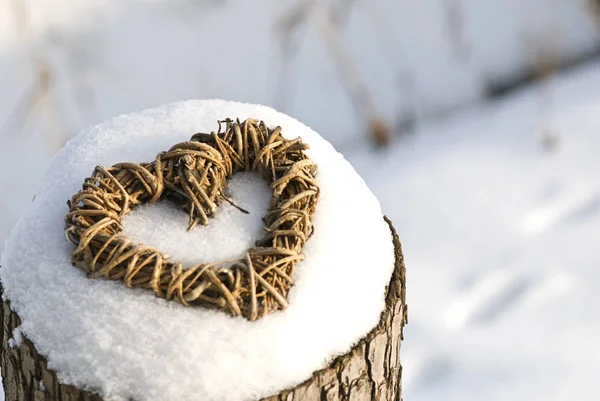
423,59
16,339
500,239
236,231
126,343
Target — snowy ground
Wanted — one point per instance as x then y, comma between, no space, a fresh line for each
500,239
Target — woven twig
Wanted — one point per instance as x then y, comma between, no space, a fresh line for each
194,175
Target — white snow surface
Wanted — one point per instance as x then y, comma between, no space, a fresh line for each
126,343
501,244
235,231
16,339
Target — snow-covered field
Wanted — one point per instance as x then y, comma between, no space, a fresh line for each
501,244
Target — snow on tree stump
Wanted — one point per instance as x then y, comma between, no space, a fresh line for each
370,371
97,339
25,373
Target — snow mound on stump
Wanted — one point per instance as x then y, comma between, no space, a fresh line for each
125,343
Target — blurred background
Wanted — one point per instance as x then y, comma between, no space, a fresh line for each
475,122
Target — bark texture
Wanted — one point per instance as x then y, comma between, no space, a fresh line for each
371,370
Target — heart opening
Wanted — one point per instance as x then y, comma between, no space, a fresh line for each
228,235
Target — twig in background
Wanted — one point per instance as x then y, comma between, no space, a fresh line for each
358,93
287,28
594,7
407,115
43,95
19,115
340,12
454,24
545,66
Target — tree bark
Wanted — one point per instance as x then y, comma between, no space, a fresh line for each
371,370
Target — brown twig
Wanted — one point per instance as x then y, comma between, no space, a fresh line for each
194,174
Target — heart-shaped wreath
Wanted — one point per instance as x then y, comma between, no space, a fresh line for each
194,175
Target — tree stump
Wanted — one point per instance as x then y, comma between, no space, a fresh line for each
371,370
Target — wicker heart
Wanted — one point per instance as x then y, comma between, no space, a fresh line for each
194,175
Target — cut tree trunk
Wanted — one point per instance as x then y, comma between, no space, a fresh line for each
371,370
